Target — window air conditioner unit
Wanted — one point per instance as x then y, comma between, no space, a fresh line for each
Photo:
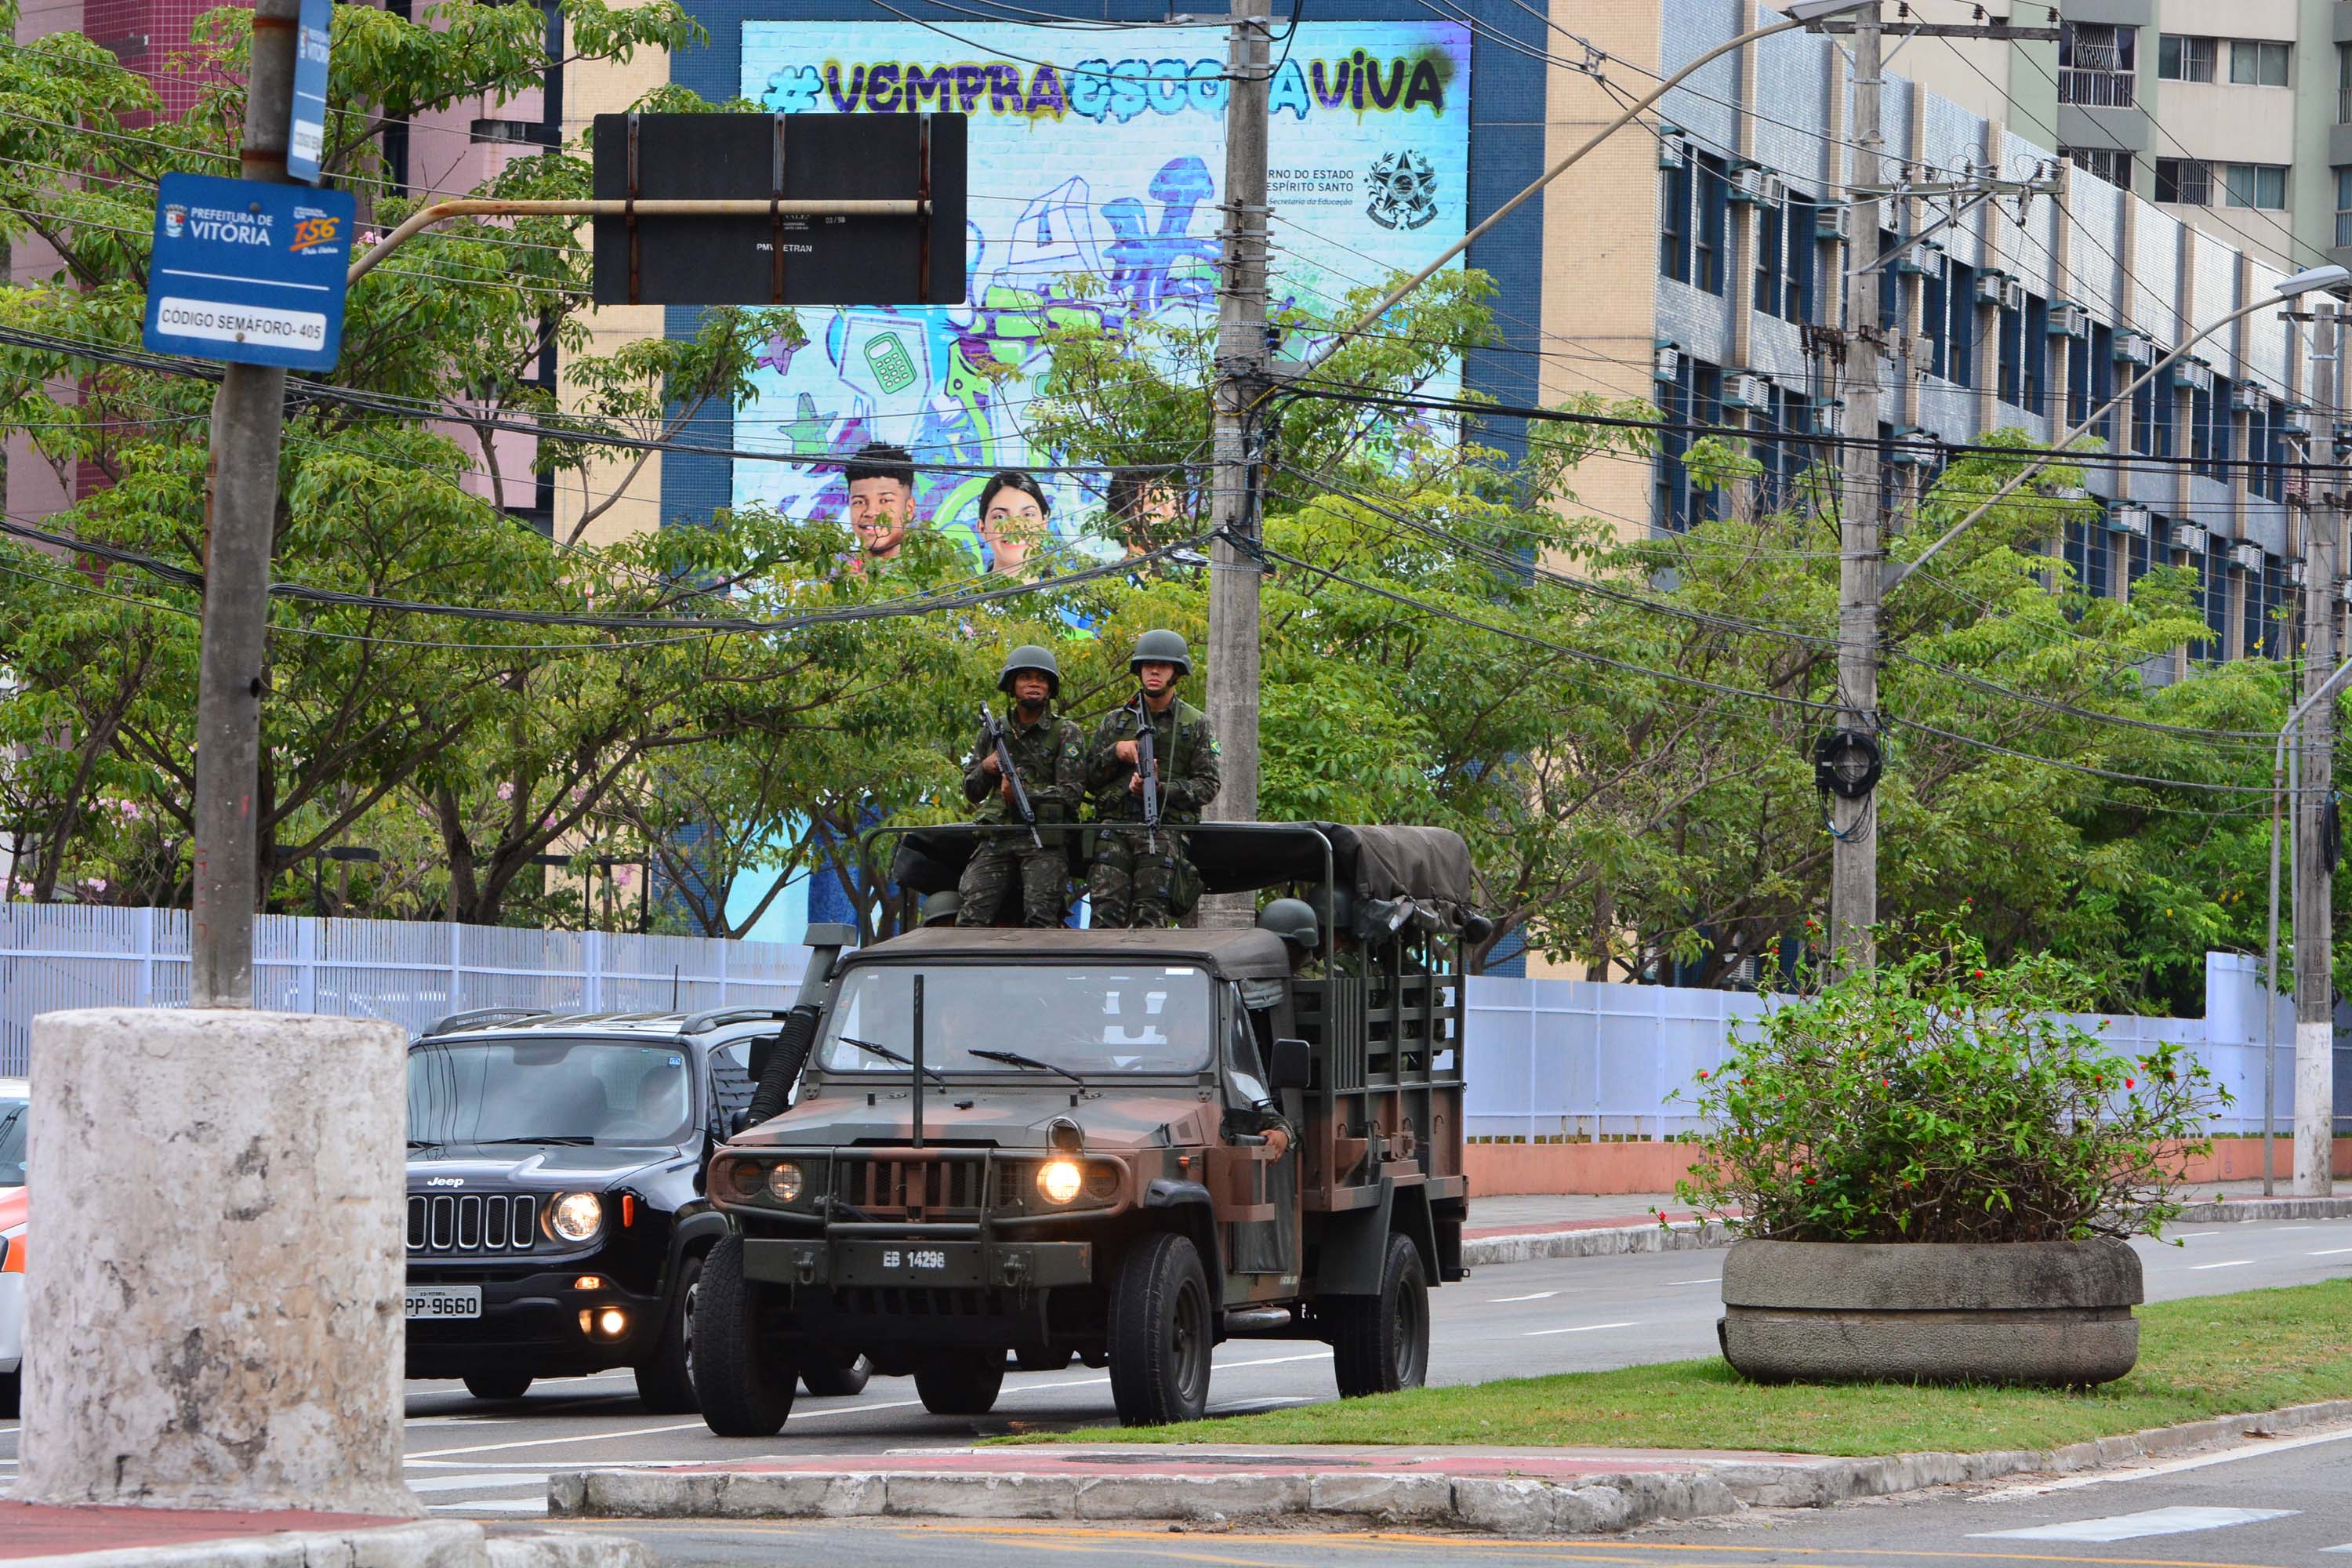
1912,447
2062,492
2246,396
1925,261
2012,293
1828,415
2128,517
1833,222
2189,536
2194,374
1990,288
1747,390
2298,419
2246,556
2136,347
1922,349
1671,151
1668,363
2068,320
1754,182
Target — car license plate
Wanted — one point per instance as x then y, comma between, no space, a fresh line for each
444,1302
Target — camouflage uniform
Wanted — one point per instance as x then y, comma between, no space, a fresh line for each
1050,756
1135,878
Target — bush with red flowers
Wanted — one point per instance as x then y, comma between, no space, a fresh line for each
1937,1098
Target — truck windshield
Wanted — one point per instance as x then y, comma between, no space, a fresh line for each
1093,1021
522,1091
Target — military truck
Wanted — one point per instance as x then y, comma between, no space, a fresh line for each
1059,1143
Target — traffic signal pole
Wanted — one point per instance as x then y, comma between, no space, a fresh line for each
1241,380
240,526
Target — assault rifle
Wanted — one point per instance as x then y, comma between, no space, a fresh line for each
1147,763
992,733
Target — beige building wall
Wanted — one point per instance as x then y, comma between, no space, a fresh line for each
625,496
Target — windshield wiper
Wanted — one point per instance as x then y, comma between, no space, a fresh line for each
550,1138
887,1055
1017,1060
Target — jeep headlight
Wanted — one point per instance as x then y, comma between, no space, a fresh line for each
784,1182
1059,1179
575,1216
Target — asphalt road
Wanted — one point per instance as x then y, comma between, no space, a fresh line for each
470,1458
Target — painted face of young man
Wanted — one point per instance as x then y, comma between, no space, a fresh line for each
879,510
1013,525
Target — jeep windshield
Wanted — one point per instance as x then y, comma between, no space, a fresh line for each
547,1092
1096,1020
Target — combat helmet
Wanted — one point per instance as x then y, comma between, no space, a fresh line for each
1162,646
1292,919
940,908
1029,656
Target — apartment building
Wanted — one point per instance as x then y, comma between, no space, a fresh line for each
2237,119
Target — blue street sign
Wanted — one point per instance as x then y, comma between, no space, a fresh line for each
248,272
307,142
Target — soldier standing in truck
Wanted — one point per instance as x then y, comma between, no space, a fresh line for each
1048,753
1139,876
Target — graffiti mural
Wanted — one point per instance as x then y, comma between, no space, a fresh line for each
1095,152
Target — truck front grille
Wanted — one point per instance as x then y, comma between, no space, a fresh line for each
893,1188
450,1225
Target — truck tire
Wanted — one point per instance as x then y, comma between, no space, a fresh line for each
829,1377
967,1385
744,1388
666,1380
1162,1330
498,1384
1380,1343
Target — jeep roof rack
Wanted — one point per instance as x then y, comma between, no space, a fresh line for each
467,1020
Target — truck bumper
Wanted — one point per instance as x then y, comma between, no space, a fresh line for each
919,1263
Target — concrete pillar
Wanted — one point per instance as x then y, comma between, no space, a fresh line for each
213,1315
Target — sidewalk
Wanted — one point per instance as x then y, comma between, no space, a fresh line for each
1516,1491
38,1533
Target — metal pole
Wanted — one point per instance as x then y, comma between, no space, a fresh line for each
915,1068
2327,688
2315,871
1853,853
1234,576
240,525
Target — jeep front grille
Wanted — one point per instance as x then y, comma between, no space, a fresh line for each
894,1188
470,1224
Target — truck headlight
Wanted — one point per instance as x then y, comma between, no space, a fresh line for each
784,1182
1059,1179
575,1216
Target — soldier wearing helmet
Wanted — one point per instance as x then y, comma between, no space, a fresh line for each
1140,877
1050,753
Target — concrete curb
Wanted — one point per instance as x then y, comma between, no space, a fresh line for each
1679,1236
426,1544
1588,1504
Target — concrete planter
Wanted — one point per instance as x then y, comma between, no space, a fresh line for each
2050,1312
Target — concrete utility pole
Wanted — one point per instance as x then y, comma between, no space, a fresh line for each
241,511
1854,854
2315,871
1240,370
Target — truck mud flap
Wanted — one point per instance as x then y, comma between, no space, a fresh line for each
1356,1241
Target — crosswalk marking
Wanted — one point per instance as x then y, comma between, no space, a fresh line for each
2129,1526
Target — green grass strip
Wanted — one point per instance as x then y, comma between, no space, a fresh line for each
2209,1356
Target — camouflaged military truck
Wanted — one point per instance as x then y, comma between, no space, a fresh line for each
1054,1144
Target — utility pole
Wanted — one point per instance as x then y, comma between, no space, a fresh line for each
240,522
2315,870
1854,819
1241,373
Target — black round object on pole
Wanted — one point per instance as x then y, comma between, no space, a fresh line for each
1846,764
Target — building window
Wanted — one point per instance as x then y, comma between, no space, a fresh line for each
1693,202
2200,430
2260,185
2259,62
2344,84
2344,206
1788,412
2182,59
2097,62
2113,164
2086,553
1694,397
1770,250
2187,181
1791,229
1673,220
2102,380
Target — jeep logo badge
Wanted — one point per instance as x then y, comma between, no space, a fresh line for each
445,1181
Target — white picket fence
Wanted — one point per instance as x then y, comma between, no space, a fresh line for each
1547,1059
55,956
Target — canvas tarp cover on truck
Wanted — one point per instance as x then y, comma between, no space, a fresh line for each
1429,866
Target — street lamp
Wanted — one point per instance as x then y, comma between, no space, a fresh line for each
2317,277
1802,14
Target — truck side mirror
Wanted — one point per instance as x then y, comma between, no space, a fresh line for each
763,1047
1293,1066
737,1122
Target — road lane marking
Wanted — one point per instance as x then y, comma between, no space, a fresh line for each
2176,1520
1538,1296
2329,1252
2227,1456
2234,1263
1711,1279
2195,1234
459,1483
576,1438
494,1505
1579,1329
